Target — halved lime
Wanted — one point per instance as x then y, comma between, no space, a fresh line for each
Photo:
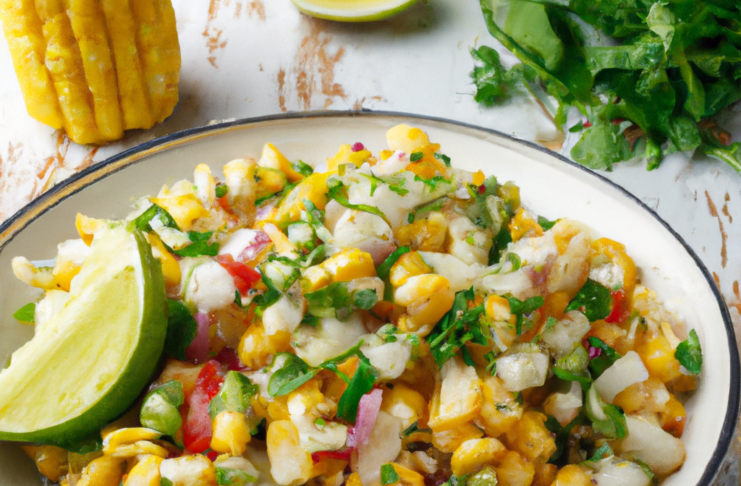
353,10
91,361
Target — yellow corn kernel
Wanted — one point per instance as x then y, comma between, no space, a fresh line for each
305,398
407,139
282,244
616,252
450,440
256,349
230,433
420,287
314,188
499,412
545,474
145,473
407,477
240,182
423,313
329,468
572,475
497,308
27,273
272,158
269,182
350,264
87,227
354,480
184,208
478,178
531,438
514,470
128,451
473,454
427,234
283,442
457,398
170,266
658,356
278,410
128,435
408,265
103,470
385,154
405,403
346,156
523,224
189,470
64,271
51,461
315,278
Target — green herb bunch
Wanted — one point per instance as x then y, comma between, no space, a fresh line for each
649,75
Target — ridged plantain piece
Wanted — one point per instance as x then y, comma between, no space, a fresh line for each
95,67
27,46
89,27
159,51
64,62
132,89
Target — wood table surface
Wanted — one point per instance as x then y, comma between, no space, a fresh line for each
249,58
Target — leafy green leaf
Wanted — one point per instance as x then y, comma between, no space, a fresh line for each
294,373
200,245
606,419
416,156
606,359
161,408
501,240
221,190
433,181
335,300
234,396
181,329
361,383
594,298
389,475
142,221
27,313
302,168
232,477
163,482
689,353
546,224
337,192
457,327
444,158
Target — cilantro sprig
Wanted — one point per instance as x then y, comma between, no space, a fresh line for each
461,324
689,353
593,299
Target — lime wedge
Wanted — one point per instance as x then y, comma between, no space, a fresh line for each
91,361
353,10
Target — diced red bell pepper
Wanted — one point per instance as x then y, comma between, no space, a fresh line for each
244,276
197,425
620,307
343,455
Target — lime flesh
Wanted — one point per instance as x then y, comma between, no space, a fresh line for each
91,361
353,10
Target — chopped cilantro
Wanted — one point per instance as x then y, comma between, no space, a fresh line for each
27,313
689,353
596,300
416,156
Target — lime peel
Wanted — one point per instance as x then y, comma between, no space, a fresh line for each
96,355
353,10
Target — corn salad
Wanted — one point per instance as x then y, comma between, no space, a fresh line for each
384,320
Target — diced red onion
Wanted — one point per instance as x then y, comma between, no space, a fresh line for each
368,408
228,357
198,349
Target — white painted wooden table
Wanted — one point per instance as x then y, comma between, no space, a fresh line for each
248,58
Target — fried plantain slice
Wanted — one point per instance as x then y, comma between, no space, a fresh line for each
159,52
64,62
22,28
132,89
89,26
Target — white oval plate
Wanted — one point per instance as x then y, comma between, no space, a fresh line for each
550,185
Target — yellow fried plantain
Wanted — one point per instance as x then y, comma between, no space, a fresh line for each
89,26
22,28
64,62
132,89
159,52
